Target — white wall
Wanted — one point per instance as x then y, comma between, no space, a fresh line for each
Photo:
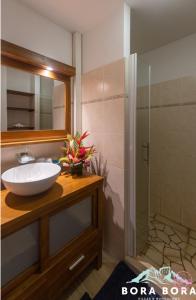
108,42
177,59
77,97
24,27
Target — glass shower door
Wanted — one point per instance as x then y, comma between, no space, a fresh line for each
142,154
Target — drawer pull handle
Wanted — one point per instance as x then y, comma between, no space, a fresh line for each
76,262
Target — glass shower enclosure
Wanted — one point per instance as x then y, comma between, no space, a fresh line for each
161,226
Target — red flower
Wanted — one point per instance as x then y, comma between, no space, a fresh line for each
82,152
75,151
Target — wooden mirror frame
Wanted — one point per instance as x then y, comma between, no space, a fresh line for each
27,60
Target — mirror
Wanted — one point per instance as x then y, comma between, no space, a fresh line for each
31,102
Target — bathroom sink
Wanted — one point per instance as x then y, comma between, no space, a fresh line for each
30,179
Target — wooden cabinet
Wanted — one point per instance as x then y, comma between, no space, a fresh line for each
49,239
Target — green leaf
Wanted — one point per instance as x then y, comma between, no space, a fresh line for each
74,146
78,135
66,159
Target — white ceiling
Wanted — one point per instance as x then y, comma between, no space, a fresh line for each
159,22
75,15
154,22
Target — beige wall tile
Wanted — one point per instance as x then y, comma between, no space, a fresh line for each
170,92
179,118
155,92
156,183
173,153
114,79
105,122
92,85
139,97
114,149
114,116
189,210
93,117
142,123
85,88
114,212
155,204
142,177
115,180
143,96
188,89
171,201
181,90
97,140
189,197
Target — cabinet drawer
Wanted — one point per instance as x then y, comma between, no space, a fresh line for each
70,267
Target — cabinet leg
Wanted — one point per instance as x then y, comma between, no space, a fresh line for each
99,260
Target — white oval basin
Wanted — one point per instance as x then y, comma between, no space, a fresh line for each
30,179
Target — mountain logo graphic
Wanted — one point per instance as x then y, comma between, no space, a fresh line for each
163,276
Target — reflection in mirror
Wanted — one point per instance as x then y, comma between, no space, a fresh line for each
31,102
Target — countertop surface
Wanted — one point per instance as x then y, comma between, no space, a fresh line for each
14,207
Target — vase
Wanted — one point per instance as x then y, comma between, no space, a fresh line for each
76,169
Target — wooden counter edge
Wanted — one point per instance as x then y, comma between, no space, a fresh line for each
11,225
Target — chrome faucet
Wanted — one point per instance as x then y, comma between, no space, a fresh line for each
24,158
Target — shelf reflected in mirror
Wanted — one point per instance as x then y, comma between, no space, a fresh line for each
31,102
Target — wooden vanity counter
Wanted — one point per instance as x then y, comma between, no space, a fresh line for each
17,209
59,231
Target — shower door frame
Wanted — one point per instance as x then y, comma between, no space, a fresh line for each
130,154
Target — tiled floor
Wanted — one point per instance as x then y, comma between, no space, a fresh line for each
169,244
172,245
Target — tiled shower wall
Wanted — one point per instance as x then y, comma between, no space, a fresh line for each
173,150
103,99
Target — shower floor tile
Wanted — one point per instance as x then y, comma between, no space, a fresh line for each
170,244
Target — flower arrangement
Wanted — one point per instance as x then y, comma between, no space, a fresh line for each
77,155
